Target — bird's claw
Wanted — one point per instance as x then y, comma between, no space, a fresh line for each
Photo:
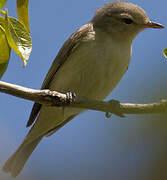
70,97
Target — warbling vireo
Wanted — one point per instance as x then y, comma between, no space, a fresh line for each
90,63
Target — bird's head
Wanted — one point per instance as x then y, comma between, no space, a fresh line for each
122,20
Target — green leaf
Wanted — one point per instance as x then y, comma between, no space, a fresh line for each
18,38
4,47
22,12
4,51
3,68
165,52
2,3
2,23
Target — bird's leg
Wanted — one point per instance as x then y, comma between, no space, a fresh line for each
70,97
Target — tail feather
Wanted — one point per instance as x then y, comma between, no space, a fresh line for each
16,162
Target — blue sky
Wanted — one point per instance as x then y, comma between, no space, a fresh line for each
91,146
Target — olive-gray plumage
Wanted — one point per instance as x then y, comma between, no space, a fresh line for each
90,63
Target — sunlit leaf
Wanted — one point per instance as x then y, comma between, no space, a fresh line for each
18,38
2,22
2,3
3,68
22,12
165,52
4,47
4,52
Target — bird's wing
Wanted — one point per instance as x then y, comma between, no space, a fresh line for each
68,47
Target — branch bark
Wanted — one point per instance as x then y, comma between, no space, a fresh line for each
53,98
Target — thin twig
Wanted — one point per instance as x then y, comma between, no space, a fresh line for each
53,98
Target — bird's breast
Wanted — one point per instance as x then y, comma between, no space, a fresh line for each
93,69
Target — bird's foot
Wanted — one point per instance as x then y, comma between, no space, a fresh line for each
70,97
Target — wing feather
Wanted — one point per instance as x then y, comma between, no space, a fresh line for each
69,46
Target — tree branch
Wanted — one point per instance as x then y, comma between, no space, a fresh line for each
53,98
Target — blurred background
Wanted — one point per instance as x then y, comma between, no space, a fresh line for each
90,146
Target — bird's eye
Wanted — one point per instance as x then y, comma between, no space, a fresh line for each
127,20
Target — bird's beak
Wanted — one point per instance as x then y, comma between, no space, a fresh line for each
151,24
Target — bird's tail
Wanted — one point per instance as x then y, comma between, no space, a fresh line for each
16,162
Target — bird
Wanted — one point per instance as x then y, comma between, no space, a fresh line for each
90,63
